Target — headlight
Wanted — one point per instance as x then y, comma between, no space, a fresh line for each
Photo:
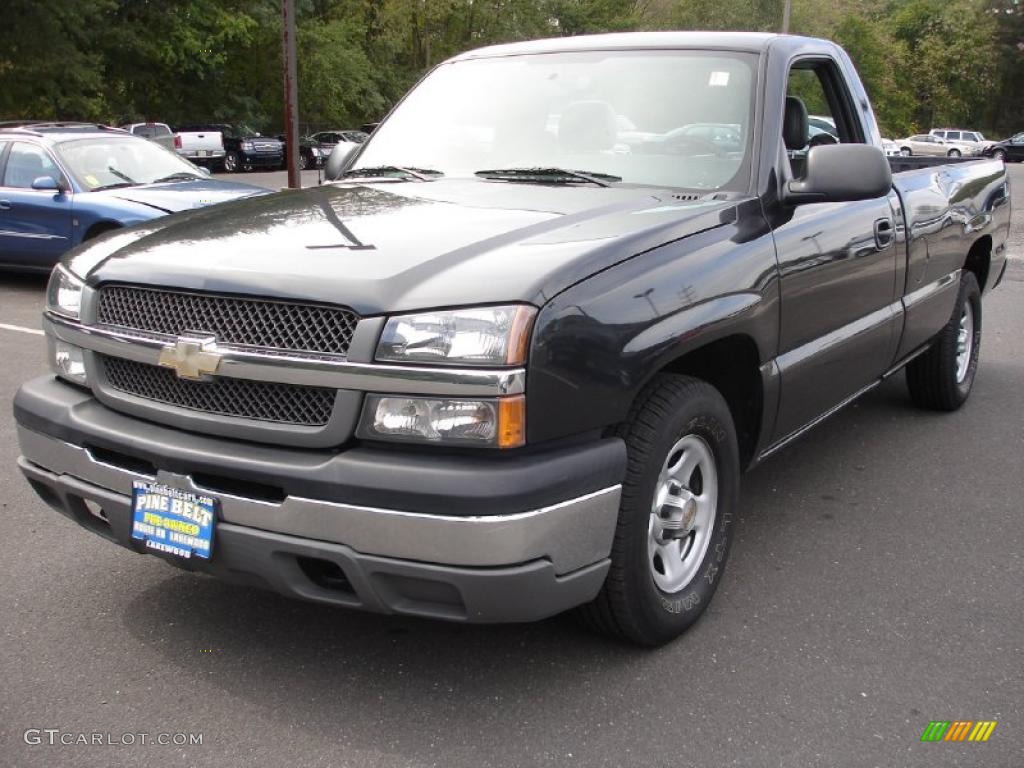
499,423
481,336
67,361
64,293
246,146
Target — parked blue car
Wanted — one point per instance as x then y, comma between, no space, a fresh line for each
63,183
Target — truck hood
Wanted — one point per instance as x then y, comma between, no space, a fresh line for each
386,247
174,197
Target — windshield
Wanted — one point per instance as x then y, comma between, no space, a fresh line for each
663,118
104,162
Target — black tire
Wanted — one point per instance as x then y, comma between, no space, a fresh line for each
954,153
631,606
933,378
232,163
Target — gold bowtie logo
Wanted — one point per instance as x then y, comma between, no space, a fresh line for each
191,357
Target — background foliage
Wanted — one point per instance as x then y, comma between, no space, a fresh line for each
926,63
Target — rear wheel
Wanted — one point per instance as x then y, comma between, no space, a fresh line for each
941,378
677,513
953,153
1000,155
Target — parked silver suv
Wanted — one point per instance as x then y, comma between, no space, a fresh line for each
961,141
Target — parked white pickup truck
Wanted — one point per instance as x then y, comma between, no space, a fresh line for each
200,145
160,133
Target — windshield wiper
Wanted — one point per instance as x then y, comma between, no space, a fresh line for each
120,175
179,176
548,176
115,185
420,174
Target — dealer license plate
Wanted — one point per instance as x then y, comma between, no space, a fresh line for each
177,522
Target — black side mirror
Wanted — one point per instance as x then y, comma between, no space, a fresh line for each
841,173
337,162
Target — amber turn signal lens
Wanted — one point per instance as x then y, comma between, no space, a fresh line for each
519,335
512,421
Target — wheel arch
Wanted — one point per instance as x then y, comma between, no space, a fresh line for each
97,228
979,260
732,365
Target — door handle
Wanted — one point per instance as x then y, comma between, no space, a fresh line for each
5,205
884,233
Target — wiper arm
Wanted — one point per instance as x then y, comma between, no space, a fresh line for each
115,185
420,174
548,175
120,175
179,176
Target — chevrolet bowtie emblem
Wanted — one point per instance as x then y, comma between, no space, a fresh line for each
191,357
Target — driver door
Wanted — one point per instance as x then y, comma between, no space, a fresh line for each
35,225
837,265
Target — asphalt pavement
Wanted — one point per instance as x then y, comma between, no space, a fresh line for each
876,584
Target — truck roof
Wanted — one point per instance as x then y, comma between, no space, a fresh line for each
751,42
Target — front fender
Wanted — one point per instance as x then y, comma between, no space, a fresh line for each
598,343
86,213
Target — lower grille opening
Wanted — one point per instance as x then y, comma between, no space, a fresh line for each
244,488
221,395
325,574
122,460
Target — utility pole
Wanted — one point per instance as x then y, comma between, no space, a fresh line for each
291,94
786,7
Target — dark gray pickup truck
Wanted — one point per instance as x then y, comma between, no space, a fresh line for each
514,356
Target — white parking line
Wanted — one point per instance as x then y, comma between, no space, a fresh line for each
21,329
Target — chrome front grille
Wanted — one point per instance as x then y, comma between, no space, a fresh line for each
221,396
261,323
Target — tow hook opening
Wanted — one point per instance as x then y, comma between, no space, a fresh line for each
325,574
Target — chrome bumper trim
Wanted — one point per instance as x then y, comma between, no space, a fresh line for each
571,534
313,371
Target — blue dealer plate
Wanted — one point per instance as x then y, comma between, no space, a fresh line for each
172,521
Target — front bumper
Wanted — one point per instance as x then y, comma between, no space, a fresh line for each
261,159
519,564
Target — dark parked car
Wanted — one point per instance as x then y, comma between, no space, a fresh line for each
311,153
244,148
500,366
62,184
1008,150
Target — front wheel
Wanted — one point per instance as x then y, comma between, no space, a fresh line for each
941,378
231,163
905,151
677,514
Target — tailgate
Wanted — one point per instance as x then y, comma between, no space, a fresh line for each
208,140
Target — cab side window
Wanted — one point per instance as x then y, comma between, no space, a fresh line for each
817,90
26,163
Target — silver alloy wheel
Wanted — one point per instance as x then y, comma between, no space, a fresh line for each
905,152
230,162
964,342
683,514
999,155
